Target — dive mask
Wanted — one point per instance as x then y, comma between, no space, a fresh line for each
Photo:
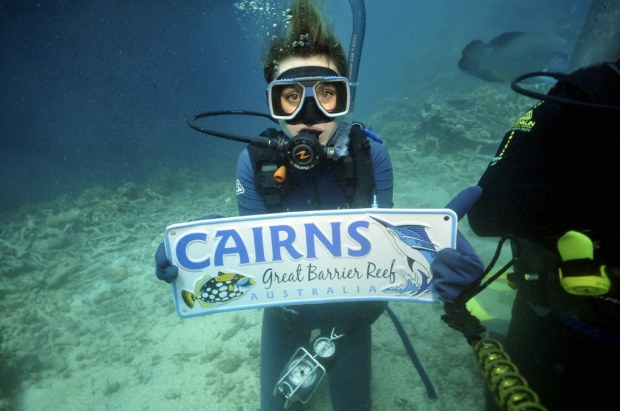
319,95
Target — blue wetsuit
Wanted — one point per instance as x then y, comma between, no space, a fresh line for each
287,328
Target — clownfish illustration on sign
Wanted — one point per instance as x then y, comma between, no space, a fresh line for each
213,291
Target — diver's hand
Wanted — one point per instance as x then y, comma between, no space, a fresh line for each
455,269
164,270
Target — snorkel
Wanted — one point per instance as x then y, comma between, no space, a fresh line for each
306,142
341,137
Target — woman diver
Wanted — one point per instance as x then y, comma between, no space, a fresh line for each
311,99
318,159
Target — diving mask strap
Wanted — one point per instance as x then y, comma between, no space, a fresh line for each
579,272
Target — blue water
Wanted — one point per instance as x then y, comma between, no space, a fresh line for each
98,93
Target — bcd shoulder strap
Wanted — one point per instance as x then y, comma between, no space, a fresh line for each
354,172
359,148
265,162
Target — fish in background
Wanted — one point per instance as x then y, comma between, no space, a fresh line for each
599,39
514,53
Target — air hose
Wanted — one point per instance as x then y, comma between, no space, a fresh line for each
510,389
430,389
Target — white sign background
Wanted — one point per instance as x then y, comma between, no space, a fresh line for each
306,257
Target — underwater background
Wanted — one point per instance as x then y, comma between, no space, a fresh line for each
97,159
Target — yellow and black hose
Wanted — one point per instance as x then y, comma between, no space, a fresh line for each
509,388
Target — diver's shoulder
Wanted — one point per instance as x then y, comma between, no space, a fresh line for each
378,150
600,81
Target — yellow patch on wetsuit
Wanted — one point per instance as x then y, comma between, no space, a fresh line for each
525,122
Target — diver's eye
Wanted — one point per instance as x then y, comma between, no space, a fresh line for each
290,98
327,96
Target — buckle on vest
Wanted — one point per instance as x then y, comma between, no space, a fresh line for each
579,272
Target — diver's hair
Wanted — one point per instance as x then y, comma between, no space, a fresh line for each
307,36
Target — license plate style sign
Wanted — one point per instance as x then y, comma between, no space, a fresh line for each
306,257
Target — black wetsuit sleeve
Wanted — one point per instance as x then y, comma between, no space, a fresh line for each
519,182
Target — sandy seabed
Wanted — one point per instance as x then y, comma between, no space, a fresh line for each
86,325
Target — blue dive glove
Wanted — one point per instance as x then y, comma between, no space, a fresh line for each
164,270
455,269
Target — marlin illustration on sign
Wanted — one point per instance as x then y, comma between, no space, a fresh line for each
415,244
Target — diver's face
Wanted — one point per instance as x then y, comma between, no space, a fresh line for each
326,130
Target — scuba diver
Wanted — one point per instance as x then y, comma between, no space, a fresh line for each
310,97
318,159
542,193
